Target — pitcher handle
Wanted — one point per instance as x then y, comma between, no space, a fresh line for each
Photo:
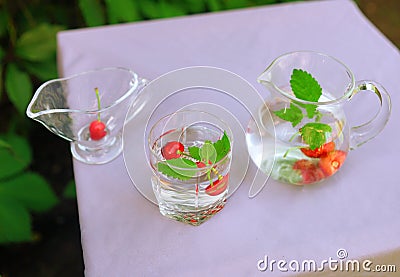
367,131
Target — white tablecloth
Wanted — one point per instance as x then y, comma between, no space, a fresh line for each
358,209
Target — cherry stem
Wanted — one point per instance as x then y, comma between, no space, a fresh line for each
98,103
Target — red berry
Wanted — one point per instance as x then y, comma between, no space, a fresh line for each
97,130
332,161
318,152
309,171
202,165
172,150
303,165
218,187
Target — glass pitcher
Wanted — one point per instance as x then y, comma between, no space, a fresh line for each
88,109
307,93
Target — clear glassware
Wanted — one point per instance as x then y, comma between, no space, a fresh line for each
313,136
187,187
68,107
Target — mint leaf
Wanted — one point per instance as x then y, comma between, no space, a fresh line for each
194,152
304,86
292,114
222,147
207,152
181,168
314,134
310,109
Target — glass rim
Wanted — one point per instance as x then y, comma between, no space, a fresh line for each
228,132
135,85
349,90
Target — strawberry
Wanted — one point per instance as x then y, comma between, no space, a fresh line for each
332,161
309,171
318,152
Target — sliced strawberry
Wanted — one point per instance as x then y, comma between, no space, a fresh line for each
218,187
309,171
318,152
312,175
303,165
332,161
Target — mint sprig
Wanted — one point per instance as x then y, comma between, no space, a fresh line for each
222,147
185,167
292,114
208,154
306,87
314,134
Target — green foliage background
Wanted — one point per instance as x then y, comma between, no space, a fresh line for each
28,31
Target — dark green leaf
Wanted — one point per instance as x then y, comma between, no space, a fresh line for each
4,144
122,11
314,134
304,86
92,12
195,6
70,190
150,9
3,22
31,190
2,54
214,5
292,114
45,70
1,80
38,44
170,9
15,159
222,147
235,4
15,225
18,87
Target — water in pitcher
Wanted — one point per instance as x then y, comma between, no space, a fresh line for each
293,161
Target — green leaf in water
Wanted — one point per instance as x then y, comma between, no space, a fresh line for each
314,134
181,168
292,114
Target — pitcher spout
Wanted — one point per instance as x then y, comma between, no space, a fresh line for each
266,77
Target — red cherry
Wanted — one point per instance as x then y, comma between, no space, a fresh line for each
172,150
200,164
97,130
218,187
